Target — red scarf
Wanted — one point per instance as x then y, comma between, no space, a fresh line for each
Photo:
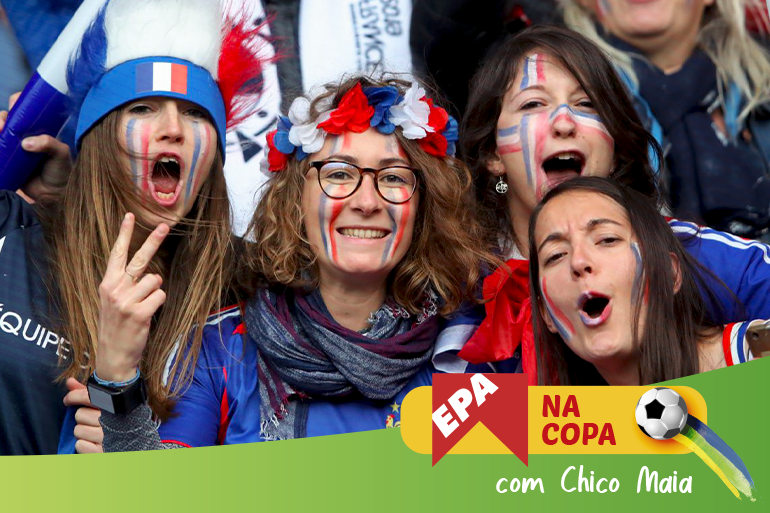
508,321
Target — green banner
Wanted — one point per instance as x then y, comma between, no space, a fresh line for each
375,471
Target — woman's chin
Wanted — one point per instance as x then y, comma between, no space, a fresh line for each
153,219
603,347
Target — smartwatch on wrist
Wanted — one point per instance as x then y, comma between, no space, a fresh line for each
118,400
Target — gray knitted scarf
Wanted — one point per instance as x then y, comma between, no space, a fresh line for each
304,354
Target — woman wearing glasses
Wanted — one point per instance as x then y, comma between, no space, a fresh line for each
365,237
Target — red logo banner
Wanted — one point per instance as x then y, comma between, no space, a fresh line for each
499,401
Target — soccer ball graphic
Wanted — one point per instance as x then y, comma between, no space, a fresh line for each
661,413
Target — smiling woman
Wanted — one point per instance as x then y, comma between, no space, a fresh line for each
365,236
616,297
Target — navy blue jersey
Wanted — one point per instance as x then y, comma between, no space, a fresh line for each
221,405
31,408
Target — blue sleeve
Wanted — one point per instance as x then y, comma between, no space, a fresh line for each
743,265
197,409
67,436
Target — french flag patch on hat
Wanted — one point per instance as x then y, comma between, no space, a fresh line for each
161,76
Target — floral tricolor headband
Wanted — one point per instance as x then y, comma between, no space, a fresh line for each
383,108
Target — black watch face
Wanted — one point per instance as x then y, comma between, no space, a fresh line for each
101,399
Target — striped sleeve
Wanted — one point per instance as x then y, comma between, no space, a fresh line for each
734,343
743,265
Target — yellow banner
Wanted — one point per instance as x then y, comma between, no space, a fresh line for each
561,420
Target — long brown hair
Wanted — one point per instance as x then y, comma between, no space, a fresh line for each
446,256
675,321
81,227
598,79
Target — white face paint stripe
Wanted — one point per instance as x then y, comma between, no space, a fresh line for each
532,71
131,145
509,139
584,119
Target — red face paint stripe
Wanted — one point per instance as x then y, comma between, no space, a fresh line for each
541,133
558,314
346,142
539,68
335,211
401,224
145,158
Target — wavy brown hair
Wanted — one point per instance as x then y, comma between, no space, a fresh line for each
447,255
80,229
596,75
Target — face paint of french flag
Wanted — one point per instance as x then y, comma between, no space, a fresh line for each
161,76
533,71
508,140
582,119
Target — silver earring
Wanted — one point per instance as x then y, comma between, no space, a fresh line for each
501,187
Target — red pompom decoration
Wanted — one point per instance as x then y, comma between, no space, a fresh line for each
240,68
275,159
434,143
438,117
352,115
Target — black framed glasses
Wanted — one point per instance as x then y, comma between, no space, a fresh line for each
338,180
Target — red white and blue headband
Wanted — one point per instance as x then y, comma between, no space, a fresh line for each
381,107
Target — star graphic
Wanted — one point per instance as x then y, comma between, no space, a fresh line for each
395,406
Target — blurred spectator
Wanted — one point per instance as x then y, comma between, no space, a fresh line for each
701,79
37,24
14,70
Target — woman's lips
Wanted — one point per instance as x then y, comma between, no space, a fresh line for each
588,320
363,233
166,199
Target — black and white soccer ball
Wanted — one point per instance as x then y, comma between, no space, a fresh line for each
661,413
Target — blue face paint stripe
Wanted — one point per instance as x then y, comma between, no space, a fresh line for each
561,329
636,291
558,109
321,217
525,78
505,132
392,237
524,137
132,151
574,113
196,153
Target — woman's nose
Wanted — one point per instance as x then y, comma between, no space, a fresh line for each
366,199
581,262
563,122
170,124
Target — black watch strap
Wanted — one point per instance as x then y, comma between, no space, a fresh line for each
120,400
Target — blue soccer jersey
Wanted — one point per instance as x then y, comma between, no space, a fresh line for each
221,405
31,409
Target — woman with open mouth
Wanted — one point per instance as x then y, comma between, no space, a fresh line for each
134,245
616,298
547,106
365,236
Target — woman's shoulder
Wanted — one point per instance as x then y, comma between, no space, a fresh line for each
15,212
223,334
